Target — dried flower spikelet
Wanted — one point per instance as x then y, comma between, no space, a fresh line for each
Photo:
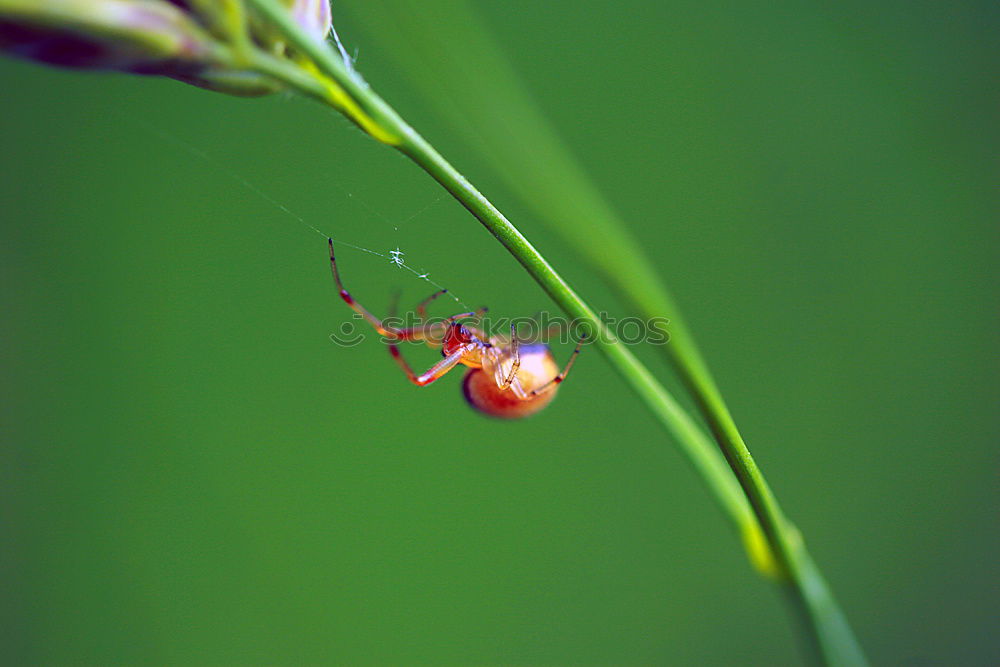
143,36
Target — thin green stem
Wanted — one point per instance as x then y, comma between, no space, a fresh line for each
287,73
520,144
695,444
697,447
747,503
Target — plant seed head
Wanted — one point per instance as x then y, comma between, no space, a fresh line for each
195,41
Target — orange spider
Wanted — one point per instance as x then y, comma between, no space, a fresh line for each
505,379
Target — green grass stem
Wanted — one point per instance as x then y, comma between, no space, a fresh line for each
733,476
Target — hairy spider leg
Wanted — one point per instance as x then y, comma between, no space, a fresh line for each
554,382
394,302
478,312
422,306
427,332
433,373
516,363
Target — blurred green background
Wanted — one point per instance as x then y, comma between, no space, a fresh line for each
193,473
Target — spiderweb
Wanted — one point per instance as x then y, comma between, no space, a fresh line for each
395,257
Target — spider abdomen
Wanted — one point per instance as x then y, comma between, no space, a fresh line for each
482,391
484,395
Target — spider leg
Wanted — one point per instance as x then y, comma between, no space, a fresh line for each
554,382
394,302
429,333
433,373
422,306
516,364
478,313
425,332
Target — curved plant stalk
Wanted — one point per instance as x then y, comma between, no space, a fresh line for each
219,45
372,109
778,549
524,149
